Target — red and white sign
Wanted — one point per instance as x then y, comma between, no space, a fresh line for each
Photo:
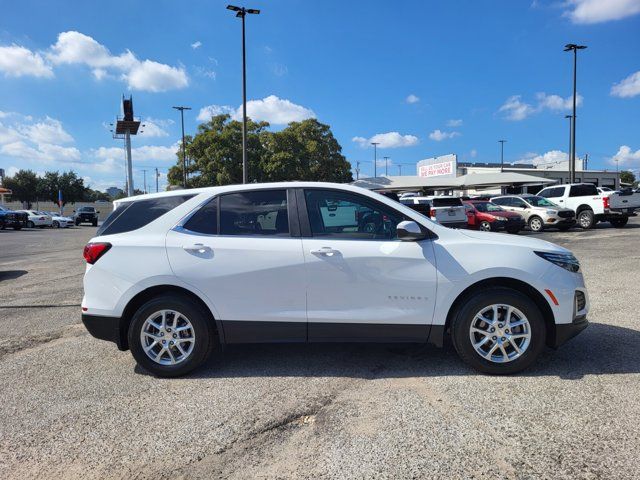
437,169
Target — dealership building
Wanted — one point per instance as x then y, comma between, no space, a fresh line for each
444,174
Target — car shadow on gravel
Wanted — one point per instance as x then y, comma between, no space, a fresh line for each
600,349
11,274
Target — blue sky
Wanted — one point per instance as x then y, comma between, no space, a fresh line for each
428,79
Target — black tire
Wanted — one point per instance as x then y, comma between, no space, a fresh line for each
94,223
463,317
619,222
17,227
200,320
485,226
586,219
30,224
77,222
55,224
536,224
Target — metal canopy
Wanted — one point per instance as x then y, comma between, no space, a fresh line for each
471,180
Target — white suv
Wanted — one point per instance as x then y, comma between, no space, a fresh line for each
175,275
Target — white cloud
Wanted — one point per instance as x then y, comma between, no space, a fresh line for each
454,123
628,87
597,11
146,75
196,45
551,158
48,131
388,140
279,70
156,77
45,152
272,109
412,99
438,135
515,109
17,61
155,128
627,157
473,153
209,111
144,153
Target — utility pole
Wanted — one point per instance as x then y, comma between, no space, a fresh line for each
585,164
144,182
386,166
501,154
157,176
357,170
567,48
375,158
570,146
399,169
184,146
241,12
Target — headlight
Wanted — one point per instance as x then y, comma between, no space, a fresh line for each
552,212
502,219
564,260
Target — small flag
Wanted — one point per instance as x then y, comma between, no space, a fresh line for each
60,199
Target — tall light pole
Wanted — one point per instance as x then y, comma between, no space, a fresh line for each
375,158
570,117
386,166
241,12
501,142
157,177
184,147
357,170
572,161
399,169
144,182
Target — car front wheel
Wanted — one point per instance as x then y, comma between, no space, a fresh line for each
498,331
485,226
171,335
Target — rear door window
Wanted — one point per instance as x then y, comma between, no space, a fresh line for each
205,220
554,192
257,212
136,214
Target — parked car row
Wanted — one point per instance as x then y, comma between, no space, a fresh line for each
17,219
559,207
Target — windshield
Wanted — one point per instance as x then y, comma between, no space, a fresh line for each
487,207
540,202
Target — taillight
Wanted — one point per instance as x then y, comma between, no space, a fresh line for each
93,251
605,202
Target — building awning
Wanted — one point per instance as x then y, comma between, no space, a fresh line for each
471,180
5,191
501,179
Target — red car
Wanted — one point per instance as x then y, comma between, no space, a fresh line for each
489,217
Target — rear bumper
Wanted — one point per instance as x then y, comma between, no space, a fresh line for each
105,328
566,331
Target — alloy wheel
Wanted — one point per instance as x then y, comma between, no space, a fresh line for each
500,333
535,224
167,337
485,226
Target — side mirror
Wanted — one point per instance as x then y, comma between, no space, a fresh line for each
410,231
98,211
74,211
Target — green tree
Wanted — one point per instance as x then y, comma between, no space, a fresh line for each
24,185
302,151
73,189
627,177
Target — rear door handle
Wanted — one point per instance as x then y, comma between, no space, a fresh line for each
197,248
325,251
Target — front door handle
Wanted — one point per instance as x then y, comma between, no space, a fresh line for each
325,251
197,248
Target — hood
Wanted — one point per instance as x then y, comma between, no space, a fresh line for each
514,240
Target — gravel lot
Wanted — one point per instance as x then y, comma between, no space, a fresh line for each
75,407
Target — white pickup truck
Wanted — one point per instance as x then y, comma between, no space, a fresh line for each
592,206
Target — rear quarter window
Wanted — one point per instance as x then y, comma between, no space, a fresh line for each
138,213
583,190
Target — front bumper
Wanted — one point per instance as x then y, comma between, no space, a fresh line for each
508,224
566,331
559,222
105,328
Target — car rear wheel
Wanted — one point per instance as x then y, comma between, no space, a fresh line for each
30,224
536,224
171,335
498,331
619,222
586,219
55,224
485,226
